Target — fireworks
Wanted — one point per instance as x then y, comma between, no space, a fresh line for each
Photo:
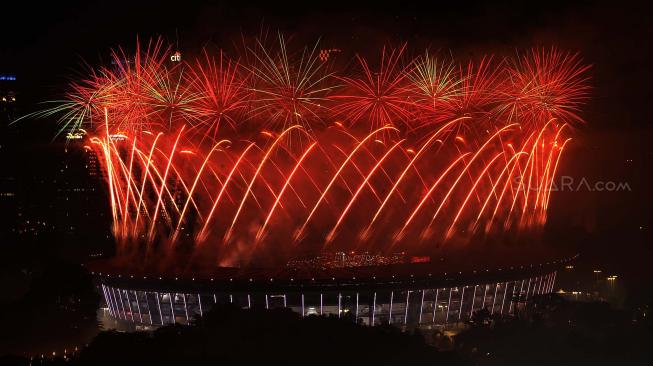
288,90
222,95
434,87
401,155
377,97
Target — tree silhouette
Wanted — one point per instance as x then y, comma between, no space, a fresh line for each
228,335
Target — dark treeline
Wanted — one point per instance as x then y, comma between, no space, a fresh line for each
550,331
228,335
555,331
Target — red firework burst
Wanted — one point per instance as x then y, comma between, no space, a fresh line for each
541,85
379,96
222,93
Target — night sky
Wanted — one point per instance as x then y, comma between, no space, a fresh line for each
47,44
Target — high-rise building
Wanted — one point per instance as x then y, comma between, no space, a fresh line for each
7,98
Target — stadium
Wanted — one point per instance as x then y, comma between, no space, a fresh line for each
406,295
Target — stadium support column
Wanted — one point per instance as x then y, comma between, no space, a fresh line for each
446,318
122,305
540,288
138,305
512,299
421,308
462,299
521,289
435,304
357,307
545,287
505,290
199,302
303,312
158,304
149,309
339,304
494,297
183,296
390,312
406,312
373,308
106,299
471,311
484,296
129,304
112,296
172,307
553,282
532,288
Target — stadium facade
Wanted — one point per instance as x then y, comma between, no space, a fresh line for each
406,295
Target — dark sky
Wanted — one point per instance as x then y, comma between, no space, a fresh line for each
44,44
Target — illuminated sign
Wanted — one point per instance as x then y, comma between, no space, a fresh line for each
326,53
74,136
7,77
175,57
118,137
420,259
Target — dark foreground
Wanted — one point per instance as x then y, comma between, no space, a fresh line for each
551,331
